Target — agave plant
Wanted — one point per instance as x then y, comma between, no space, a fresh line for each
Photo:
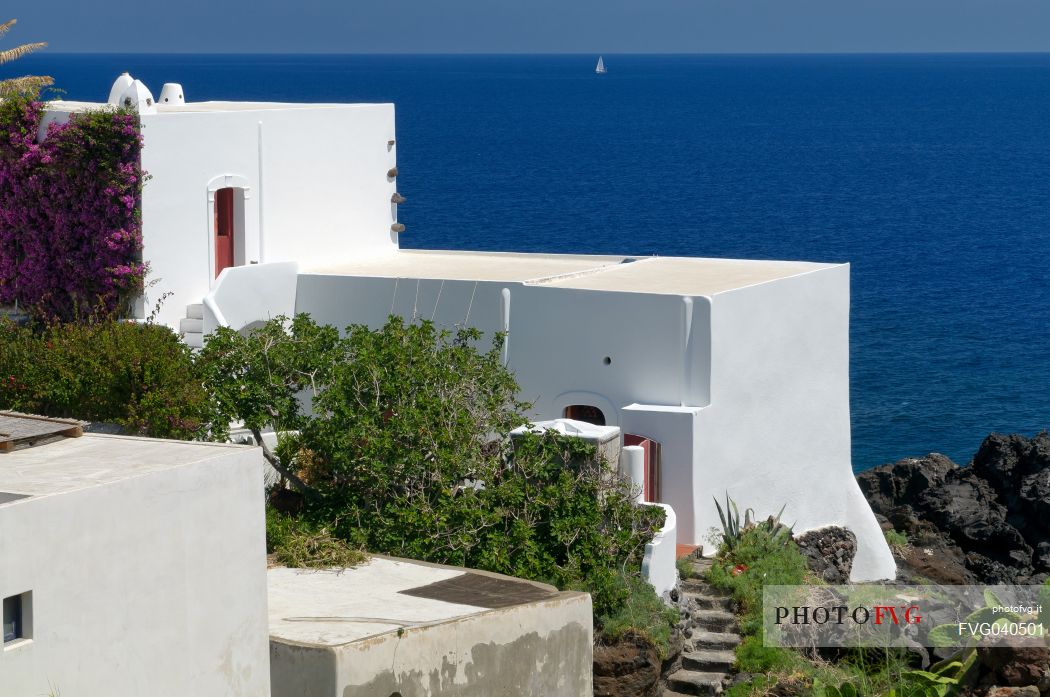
26,83
733,531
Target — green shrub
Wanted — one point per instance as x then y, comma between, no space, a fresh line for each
753,657
759,559
406,452
685,567
139,376
642,613
896,540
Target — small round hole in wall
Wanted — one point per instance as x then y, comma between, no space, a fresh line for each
607,360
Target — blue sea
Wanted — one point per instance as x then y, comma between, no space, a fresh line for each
930,174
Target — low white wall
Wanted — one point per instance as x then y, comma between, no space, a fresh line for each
559,338
247,294
658,565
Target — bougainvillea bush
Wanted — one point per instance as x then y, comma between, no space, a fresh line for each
70,219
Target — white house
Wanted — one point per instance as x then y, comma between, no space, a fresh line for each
132,566
732,375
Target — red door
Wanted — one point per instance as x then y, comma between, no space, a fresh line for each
223,230
651,483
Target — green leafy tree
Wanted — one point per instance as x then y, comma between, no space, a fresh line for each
27,84
398,440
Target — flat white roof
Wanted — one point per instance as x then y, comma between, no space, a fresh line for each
469,266
329,608
191,107
93,460
685,276
688,276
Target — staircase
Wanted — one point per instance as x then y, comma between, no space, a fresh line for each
192,326
706,669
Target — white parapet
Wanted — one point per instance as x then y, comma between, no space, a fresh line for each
658,565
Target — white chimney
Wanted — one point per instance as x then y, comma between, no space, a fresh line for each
171,93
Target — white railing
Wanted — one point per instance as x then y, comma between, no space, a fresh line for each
658,565
255,293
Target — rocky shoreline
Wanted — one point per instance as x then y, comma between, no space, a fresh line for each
985,523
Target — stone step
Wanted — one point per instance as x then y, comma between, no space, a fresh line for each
195,311
193,339
709,661
698,586
693,682
715,620
715,640
188,325
708,602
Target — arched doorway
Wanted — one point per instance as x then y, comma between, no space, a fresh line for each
229,228
586,413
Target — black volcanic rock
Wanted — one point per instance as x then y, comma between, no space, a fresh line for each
996,511
829,552
887,486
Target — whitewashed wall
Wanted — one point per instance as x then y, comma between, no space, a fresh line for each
317,185
152,585
558,337
759,406
778,428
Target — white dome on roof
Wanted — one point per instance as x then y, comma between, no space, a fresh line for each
120,85
139,98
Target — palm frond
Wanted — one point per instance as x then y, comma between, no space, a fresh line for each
12,54
7,25
25,84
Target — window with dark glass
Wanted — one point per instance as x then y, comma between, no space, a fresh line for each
16,621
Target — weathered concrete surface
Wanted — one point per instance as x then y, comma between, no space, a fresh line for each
355,634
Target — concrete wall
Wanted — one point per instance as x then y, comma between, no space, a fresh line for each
778,428
152,585
316,181
542,648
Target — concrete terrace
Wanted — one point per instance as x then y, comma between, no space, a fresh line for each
330,608
94,460
652,275
395,626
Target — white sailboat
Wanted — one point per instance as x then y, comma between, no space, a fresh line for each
600,68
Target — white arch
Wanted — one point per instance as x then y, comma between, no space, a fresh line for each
222,181
566,399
